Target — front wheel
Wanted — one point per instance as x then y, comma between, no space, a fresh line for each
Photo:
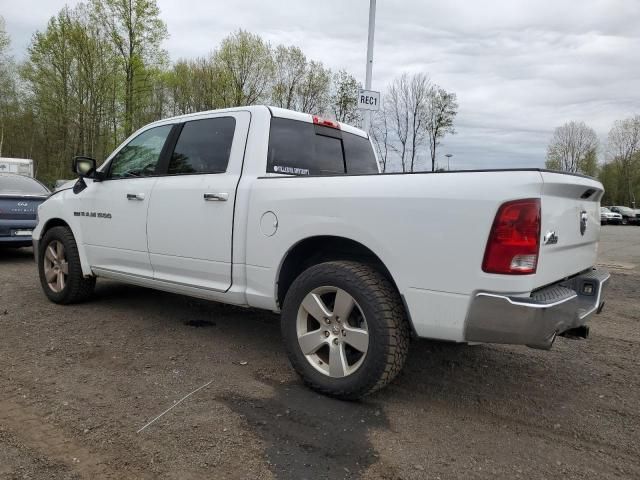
60,270
345,329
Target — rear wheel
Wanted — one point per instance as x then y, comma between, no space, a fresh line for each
625,221
60,270
345,329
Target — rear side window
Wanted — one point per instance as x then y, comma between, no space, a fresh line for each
302,148
204,146
359,154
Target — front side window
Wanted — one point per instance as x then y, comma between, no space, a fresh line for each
204,146
140,156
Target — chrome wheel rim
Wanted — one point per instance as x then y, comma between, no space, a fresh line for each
56,267
332,332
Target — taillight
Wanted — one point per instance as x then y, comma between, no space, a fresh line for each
514,241
325,123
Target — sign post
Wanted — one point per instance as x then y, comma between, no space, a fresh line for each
367,81
368,100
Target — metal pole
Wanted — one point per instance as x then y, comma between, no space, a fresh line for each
367,81
449,155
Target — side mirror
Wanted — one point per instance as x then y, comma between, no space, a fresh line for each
83,166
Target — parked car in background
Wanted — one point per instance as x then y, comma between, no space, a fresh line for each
609,217
20,197
629,215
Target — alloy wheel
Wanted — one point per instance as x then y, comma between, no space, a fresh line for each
332,331
56,267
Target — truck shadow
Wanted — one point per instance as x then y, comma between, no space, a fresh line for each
16,255
307,435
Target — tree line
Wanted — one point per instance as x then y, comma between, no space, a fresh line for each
98,72
574,148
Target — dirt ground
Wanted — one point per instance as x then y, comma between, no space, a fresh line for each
77,384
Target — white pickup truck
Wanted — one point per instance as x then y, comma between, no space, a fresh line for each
284,211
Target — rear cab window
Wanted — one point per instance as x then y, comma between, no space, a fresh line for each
303,148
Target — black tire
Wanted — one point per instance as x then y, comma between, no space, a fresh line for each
78,288
625,221
387,323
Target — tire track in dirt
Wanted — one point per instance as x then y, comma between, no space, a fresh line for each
42,436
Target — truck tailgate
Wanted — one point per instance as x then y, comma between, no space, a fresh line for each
570,226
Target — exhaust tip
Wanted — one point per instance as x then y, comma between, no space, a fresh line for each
576,333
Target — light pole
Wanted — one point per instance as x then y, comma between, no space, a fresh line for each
449,155
367,80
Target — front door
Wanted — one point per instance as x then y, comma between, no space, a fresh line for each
190,218
114,211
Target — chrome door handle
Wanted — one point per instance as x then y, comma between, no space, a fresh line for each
135,196
216,197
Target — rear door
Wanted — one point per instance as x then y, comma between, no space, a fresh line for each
190,221
571,214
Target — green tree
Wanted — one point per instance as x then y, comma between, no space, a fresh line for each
72,88
441,111
48,75
243,68
290,66
624,148
344,98
573,148
314,89
589,164
136,31
7,84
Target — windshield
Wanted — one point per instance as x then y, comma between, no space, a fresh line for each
21,185
604,210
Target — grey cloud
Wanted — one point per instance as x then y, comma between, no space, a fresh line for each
519,67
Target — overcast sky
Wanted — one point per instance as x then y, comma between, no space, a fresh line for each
519,67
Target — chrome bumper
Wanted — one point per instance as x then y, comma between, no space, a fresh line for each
536,320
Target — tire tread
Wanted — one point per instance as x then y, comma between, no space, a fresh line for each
379,291
80,287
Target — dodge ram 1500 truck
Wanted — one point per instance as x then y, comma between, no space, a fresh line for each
284,211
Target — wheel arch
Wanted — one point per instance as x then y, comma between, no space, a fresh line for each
54,222
323,248
60,222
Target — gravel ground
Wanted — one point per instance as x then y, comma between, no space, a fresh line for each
78,383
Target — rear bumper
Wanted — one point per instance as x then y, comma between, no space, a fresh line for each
15,241
8,227
536,320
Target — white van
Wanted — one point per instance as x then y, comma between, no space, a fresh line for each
21,166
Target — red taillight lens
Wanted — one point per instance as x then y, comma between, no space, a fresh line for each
325,123
514,240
